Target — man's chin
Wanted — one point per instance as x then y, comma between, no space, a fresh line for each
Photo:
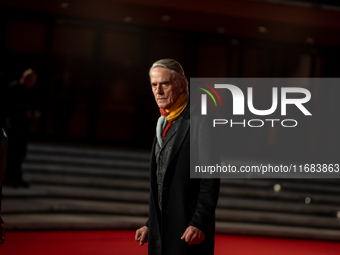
162,106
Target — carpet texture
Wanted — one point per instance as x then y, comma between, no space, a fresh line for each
122,243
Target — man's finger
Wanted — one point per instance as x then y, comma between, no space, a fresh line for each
184,234
142,239
200,240
193,239
189,236
137,236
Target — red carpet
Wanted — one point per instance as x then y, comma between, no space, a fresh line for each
122,242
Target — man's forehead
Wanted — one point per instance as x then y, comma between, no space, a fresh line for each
160,69
157,72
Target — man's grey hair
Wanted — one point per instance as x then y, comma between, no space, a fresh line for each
177,71
29,72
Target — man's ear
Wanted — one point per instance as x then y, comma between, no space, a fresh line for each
182,85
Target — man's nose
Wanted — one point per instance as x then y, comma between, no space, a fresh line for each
159,89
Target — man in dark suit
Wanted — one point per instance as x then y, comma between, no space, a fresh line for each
181,209
3,155
20,114
3,148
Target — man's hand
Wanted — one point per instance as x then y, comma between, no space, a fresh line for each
142,235
193,235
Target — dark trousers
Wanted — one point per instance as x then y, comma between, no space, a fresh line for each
17,149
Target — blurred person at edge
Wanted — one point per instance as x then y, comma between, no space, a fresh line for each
3,154
181,209
3,148
20,113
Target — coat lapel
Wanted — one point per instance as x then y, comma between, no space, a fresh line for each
180,134
153,168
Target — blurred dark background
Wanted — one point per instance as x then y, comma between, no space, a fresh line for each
88,158
92,60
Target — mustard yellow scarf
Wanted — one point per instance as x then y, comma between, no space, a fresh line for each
177,108
169,115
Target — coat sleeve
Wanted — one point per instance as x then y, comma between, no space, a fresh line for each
206,205
208,153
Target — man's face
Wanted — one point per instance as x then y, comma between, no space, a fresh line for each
30,81
164,88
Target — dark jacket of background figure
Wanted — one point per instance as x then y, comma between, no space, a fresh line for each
185,201
3,140
19,100
3,155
